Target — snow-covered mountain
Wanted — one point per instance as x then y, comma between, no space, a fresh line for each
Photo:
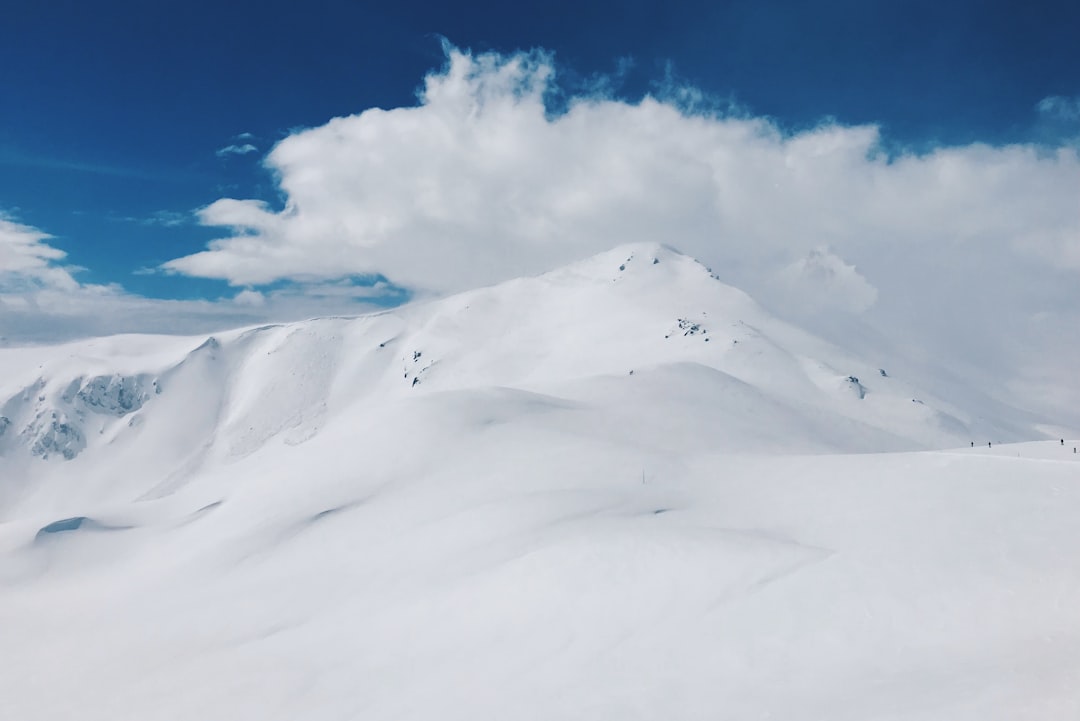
617,490
638,327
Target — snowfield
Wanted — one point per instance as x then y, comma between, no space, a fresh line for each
620,490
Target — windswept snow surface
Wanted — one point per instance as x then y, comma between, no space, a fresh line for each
616,491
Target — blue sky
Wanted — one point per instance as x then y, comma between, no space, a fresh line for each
125,126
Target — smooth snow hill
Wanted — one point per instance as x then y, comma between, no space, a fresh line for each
617,490
640,341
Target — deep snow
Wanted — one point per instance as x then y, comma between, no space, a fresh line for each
618,490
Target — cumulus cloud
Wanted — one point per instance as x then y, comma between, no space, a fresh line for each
487,177
480,182
498,172
236,149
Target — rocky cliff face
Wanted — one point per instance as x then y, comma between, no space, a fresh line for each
53,433
112,395
54,424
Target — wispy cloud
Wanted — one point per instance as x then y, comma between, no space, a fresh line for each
159,218
236,150
12,157
1059,107
28,262
42,300
51,315
167,218
826,282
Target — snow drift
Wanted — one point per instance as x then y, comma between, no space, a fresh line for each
617,490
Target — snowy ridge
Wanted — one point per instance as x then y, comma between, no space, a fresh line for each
617,490
640,335
634,309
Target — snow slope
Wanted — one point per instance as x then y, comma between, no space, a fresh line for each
640,326
617,490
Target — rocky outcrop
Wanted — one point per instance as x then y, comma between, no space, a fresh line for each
113,395
53,424
52,434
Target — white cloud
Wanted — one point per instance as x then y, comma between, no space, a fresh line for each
823,281
41,299
952,251
249,297
28,262
236,149
478,183
161,218
167,218
51,315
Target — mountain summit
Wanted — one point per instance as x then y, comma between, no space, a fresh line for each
617,490
640,340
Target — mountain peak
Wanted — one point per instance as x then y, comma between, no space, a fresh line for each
641,310
636,256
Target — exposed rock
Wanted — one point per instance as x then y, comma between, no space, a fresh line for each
688,327
53,434
113,395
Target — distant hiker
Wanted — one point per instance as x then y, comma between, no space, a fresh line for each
973,444
1062,441
990,444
